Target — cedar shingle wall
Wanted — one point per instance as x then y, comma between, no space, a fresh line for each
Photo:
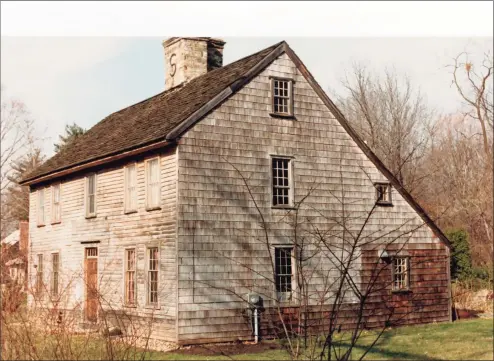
222,256
115,231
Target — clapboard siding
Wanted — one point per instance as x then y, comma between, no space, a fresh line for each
221,253
114,231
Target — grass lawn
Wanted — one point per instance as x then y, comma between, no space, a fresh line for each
462,340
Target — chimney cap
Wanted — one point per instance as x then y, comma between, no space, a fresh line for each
215,41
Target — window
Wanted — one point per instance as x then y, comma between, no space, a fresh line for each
282,182
55,204
282,100
284,272
130,188
152,184
383,193
55,264
130,276
401,276
91,195
152,286
41,207
39,274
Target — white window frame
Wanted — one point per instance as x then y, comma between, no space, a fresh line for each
54,294
41,196
40,274
285,296
125,269
157,204
87,195
291,181
128,200
54,219
289,113
404,282
155,305
388,193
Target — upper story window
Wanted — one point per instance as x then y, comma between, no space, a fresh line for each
56,213
153,189
130,188
282,96
383,194
282,182
401,273
91,195
41,207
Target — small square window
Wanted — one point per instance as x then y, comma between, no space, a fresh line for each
383,194
282,97
401,273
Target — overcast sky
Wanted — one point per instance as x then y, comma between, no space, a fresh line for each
68,79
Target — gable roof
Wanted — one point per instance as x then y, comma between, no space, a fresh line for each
160,120
148,121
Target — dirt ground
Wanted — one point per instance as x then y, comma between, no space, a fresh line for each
228,348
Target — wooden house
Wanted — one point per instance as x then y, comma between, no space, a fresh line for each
181,207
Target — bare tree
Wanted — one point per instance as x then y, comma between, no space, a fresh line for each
16,137
474,84
392,117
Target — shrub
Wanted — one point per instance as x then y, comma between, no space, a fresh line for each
461,259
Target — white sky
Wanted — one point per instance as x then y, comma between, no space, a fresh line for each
65,79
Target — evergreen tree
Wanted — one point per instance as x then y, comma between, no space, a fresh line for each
72,131
461,259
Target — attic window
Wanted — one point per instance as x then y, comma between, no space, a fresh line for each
383,194
282,97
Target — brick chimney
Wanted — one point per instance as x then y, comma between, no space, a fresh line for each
188,58
23,236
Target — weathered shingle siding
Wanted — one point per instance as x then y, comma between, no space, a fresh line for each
115,231
221,254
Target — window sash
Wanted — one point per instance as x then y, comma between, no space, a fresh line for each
281,182
282,96
91,195
401,273
55,260
131,187
383,193
130,276
39,274
152,281
56,209
284,272
41,206
153,183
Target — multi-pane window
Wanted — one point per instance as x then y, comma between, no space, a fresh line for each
383,193
282,179
55,265
282,96
152,286
130,188
41,206
401,275
91,195
130,276
55,203
39,274
284,272
153,183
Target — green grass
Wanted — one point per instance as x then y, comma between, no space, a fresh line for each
463,340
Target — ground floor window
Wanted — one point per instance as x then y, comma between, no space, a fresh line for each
284,272
401,273
152,284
